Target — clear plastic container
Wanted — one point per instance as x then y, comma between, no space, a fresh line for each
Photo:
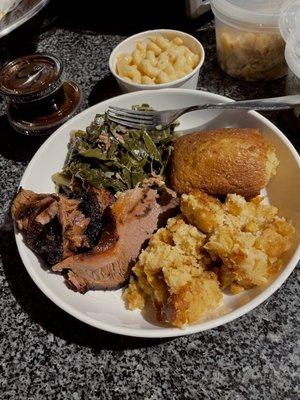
292,55
249,43
290,30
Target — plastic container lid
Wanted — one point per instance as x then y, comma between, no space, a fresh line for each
290,30
30,78
262,13
289,18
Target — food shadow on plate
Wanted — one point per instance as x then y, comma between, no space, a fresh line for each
217,120
149,314
49,316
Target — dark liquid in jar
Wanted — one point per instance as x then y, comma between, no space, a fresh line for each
37,100
45,113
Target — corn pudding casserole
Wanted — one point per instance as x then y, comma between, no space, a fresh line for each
172,273
235,244
246,237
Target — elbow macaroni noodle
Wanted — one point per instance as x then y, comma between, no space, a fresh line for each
159,61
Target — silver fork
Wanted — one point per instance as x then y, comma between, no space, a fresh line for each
163,119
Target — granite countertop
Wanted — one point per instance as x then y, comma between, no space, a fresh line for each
47,354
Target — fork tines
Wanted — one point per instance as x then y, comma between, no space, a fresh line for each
131,118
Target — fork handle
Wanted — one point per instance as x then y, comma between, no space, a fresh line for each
274,103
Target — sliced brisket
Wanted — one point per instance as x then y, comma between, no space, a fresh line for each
27,205
107,266
36,215
73,225
46,240
109,236
56,227
93,203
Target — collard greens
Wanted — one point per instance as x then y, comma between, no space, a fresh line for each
108,155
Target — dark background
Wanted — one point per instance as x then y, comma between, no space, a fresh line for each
47,354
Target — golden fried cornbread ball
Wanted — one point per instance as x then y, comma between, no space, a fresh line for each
231,160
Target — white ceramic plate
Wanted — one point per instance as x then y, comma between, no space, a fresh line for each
105,310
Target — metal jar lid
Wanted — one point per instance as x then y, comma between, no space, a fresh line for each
30,78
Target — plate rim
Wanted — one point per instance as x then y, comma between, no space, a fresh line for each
165,332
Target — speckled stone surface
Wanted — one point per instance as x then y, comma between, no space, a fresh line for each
47,354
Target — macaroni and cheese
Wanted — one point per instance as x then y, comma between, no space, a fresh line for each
159,61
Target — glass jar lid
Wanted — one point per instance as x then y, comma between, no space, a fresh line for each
30,78
254,12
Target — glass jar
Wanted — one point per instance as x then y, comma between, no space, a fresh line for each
249,43
37,99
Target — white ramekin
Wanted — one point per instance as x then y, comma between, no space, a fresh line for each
128,45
